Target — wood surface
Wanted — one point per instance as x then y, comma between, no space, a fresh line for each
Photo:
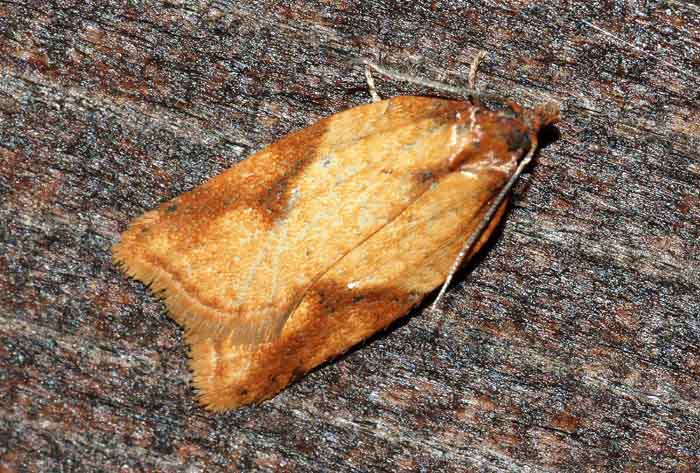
571,344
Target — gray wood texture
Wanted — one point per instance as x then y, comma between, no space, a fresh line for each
572,344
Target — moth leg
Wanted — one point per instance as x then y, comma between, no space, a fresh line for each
473,68
370,85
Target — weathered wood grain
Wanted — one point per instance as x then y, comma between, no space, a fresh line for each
572,344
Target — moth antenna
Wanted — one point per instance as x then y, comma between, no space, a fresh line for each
470,92
485,220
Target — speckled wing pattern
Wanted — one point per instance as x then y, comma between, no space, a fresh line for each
321,239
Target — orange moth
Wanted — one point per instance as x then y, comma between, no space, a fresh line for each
320,240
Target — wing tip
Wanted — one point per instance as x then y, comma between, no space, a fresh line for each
225,376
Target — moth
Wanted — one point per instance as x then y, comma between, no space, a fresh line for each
320,240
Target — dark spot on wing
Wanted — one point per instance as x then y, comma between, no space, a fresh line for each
426,176
517,138
262,183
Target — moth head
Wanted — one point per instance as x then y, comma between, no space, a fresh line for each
542,116
532,121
